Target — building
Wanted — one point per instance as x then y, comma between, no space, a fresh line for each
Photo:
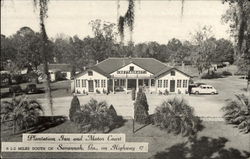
124,74
58,71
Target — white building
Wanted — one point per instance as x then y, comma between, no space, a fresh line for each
124,74
58,71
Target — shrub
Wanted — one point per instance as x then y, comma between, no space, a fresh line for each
104,91
74,107
166,92
160,93
211,76
179,91
237,111
133,94
175,115
97,116
97,91
141,108
226,73
24,112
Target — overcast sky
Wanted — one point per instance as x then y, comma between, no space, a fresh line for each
154,21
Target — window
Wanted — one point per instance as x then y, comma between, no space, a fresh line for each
131,68
83,83
103,83
116,82
185,83
152,82
172,73
77,83
178,83
122,82
97,83
165,83
90,73
159,83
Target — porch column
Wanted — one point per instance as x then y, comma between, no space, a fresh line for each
107,85
149,85
156,85
137,85
113,85
126,85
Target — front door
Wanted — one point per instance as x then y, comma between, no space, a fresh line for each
172,85
131,83
91,86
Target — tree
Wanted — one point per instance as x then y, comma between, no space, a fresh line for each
43,8
62,49
7,50
204,48
74,107
178,50
27,45
175,115
224,51
141,108
237,111
127,19
238,16
23,111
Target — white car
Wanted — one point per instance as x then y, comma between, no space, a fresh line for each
204,89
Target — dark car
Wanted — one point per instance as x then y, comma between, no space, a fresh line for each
194,85
15,89
31,88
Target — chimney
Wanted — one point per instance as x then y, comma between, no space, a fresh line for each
97,61
182,65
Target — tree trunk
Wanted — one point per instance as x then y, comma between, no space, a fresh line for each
248,81
44,48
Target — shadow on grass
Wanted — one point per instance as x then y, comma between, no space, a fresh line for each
202,148
47,122
9,95
143,126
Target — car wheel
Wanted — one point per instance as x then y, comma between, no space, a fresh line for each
197,93
212,93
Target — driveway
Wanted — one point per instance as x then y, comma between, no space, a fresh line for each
204,105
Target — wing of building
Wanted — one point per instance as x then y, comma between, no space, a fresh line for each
125,74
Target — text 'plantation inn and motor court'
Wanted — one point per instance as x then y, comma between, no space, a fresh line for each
125,74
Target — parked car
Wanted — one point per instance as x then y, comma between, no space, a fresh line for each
15,89
204,89
31,88
191,86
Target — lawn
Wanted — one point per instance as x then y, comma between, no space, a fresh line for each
215,137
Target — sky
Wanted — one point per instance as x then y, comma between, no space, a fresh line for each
158,20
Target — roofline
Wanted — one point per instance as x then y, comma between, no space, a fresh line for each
134,64
175,69
79,74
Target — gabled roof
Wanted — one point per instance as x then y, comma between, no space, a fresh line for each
111,65
168,69
96,69
188,69
60,67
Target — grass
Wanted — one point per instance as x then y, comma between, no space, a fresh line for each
159,140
